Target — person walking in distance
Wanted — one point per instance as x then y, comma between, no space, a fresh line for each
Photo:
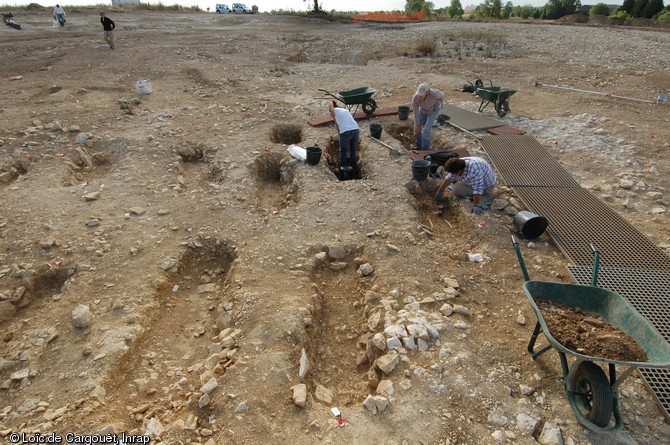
108,26
59,15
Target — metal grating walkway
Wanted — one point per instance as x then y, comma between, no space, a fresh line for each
577,218
523,161
648,291
632,265
469,120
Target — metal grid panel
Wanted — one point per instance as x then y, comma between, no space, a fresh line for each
523,161
658,381
648,291
577,218
469,120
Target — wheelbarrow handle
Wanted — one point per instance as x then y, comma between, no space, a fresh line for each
522,263
331,94
596,264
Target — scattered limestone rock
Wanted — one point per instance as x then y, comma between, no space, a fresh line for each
299,395
385,388
550,436
137,211
337,252
203,401
376,404
82,317
304,364
209,386
387,363
323,394
365,269
242,407
92,196
447,310
525,423
154,428
20,375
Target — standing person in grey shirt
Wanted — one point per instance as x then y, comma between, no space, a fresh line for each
426,104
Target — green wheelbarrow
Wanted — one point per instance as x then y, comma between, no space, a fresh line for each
353,98
593,395
498,96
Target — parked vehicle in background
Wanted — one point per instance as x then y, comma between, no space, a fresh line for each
222,9
254,9
241,7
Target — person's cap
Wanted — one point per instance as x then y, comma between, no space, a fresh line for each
423,89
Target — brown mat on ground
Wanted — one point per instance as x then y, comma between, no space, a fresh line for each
319,121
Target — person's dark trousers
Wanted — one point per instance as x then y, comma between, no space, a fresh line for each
348,143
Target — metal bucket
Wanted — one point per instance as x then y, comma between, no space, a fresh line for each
420,170
530,225
313,155
376,130
403,112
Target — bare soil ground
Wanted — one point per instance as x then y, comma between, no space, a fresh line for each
207,256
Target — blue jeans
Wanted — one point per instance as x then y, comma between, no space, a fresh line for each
61,19
348,143
426,122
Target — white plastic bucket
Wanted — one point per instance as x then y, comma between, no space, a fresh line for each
143,87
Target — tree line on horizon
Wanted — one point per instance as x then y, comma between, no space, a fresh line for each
552,10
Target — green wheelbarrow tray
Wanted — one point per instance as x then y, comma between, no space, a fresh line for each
356,96
498,96
592,394
353,98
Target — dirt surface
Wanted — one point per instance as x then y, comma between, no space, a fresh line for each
588,334
166,269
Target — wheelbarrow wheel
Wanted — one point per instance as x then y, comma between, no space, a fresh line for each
592,393
502,108
369,106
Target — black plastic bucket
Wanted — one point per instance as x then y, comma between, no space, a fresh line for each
420,170
376,130
403,112
313,155
530,224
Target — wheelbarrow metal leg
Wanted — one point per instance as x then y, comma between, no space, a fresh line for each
533,339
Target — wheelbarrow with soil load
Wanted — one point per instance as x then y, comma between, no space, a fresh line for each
593,394
498,96
352,99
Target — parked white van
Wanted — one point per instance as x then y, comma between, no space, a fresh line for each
222,9
241,7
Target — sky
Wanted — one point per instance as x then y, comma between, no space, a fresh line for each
300,5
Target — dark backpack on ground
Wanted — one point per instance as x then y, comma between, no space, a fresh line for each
439,158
